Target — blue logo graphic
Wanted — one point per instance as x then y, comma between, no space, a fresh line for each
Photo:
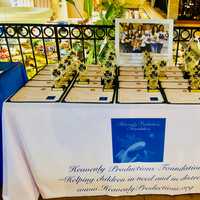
138,139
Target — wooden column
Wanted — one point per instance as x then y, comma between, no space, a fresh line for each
59,8
173,8
72,12
42,3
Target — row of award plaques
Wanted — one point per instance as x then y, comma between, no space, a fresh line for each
130,88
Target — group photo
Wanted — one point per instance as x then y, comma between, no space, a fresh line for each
138,38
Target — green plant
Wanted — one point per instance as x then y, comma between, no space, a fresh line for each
88,7
110,10
105,48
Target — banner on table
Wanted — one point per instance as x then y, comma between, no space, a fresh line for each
63,150
138,140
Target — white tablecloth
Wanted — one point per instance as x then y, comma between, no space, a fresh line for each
79,150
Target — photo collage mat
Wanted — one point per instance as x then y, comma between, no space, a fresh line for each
135,37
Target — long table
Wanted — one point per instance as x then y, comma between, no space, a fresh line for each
12,77
60,150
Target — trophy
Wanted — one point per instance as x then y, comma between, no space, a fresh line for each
82,69
194,82
191,59
152,83
66,70
108,75
147,64
162,64
57,75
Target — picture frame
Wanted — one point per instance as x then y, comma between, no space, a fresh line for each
133,37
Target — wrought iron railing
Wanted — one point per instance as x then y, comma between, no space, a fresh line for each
183,35
36,45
